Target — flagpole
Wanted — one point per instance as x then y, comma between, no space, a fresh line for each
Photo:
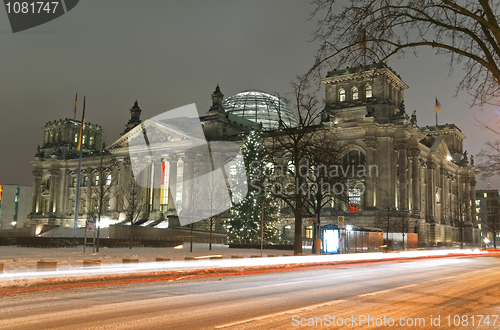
80,147
75,225
74,111
436,118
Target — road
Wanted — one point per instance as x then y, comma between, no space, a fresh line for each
415,291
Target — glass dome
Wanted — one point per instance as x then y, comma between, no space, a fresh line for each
260,107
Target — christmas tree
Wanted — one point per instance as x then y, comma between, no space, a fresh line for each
245,224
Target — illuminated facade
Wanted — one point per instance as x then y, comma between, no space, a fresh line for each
423,175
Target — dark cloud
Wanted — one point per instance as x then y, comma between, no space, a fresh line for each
168,54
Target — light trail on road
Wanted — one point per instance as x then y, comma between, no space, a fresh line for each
266,301
203,263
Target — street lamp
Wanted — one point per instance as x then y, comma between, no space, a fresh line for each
486,241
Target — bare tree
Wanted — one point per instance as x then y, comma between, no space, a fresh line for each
458,214
288,148
102,191
490,157
467,32
492,221
325,186
134,208
213,201
402,224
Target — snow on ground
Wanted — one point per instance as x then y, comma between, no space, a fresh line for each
25,259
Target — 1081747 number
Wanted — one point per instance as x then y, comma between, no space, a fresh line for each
471,320
31,8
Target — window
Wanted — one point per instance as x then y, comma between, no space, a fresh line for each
368,91
341,95
354,196
354,157
91,140
108,180
108,205
83,139
485,195
309,232
478,202
354,92
85,181
73,182
76,137
96,180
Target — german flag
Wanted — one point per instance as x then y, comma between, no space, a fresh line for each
82,126
1,189
438,106
74,111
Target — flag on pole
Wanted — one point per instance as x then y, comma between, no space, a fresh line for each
362,42
1,191
438,106
74,111
82,126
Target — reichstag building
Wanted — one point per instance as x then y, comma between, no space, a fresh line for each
423,173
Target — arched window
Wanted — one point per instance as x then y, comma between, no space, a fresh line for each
369,91
354,157
354,92
341,95
352,166
91,141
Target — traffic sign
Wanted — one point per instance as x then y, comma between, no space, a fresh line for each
341,221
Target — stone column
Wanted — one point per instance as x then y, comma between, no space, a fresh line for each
172,182
54,175
187,181
431,192
415,184
385,188
37,193
473,200
467,198
90,182
115,171
370,180
444,193
403,178
63,190
156,186
126,177
145,186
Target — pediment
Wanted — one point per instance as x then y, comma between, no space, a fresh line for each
156,134
440,147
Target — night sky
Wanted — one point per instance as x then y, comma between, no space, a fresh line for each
168,54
